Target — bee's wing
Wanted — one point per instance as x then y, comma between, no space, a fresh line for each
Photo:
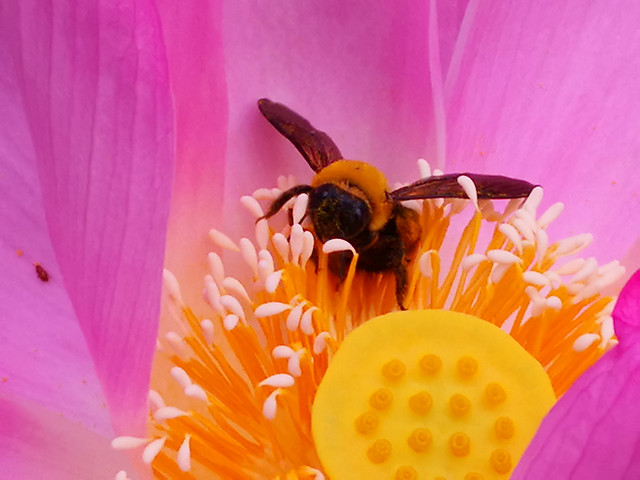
315,146
447,186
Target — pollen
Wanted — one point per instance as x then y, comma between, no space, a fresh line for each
242,385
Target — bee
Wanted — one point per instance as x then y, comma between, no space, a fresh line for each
352,200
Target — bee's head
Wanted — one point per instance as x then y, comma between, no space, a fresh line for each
338,213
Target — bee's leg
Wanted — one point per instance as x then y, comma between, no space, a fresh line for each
284,197
401,284
339,264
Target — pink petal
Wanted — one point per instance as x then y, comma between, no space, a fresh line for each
593,432
44,357
550,93
359,71
626,315
192,32
96,94
40,443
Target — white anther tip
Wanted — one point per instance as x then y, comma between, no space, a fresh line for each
279,380
272,281
270,405
282,351
184,454
469,189
152,450
196,391
222,240
166,413
126,443
271,308
503,257
320,343
585,341
337,245
172,286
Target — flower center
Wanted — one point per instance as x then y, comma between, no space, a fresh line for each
233,388
424,393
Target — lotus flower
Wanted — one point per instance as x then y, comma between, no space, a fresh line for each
104,102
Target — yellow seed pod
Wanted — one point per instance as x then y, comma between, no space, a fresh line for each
427,394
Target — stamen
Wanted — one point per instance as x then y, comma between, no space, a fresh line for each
307,248
281,244
249,254
252,205
176,343
271,308
293,320
306,324
152,450
296,242
512,234
524,229
280,380
217,267
181,377
320,343
533,201
212,295
222,240
270,405
196,391
503,257
470,189
337,245
536,278
300,207
166,413
272,281
234,287
172,286
262,233
585,341
542,244
571,267
156,400
424,168
184,455
263,194
244,398
470,261
233,305
282,351
230,321
552,213
589,268
293,365
127,443
573,245
207,330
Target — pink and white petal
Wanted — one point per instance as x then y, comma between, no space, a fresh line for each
548,93
38,442
95,89
358,71
593,431
193,36
44,357
626,314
